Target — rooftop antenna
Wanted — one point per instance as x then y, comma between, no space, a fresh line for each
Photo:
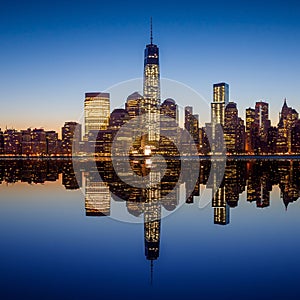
151,33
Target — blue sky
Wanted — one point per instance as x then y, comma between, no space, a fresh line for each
53,52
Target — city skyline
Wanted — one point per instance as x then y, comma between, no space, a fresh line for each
49,65
104,134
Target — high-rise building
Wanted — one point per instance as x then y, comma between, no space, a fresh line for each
230,126
52,142
220,100
188,118
96,111
262,122
168,127
133,108
118,118
287,120
71,137
133,104
38,141
26,142
234,129
169,109
191,124
1,142
151,90
272,139
12,142
295,138
250,132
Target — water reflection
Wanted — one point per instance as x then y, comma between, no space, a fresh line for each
256,177
102,185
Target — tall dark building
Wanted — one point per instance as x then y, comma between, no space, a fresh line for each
263,123
133,103
52,143
26,142
38,140
169,130
117,119
234,129
191,123
272,139
295,138
250,130
12,142
1,142
71,136
169,109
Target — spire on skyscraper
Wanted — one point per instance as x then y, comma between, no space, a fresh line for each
151,32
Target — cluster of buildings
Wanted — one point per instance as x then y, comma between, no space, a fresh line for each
39,142
226,130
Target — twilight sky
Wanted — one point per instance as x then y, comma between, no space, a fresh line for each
52,52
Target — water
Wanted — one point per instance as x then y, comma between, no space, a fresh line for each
58,243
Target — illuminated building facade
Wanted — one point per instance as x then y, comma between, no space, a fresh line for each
12,142
220,100
272,139
287,120
295,138
96,111
263,123
26,142
151,91
133,104
52,143
38,140
234,129
250,132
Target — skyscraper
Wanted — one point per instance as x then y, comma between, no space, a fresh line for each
71,136
220,100
96,111
233,129
250,118
151,90
168,127
287,120
133,103
262,120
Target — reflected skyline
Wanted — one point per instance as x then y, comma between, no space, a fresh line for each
256,177
102,187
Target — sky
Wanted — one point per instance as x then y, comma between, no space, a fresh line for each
52,52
